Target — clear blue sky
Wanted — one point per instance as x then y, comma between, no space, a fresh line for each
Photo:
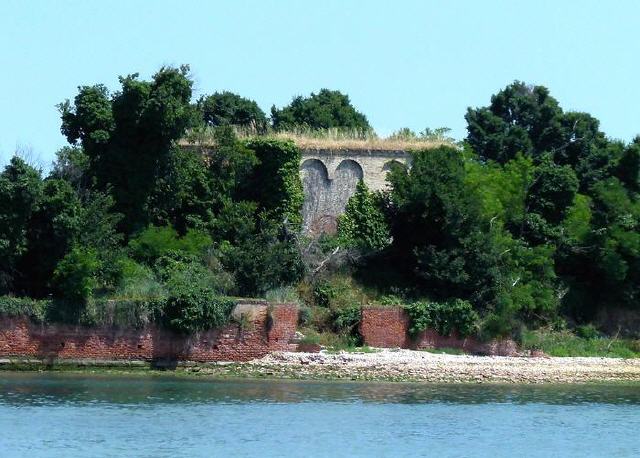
403,63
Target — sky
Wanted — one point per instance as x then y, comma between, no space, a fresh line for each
406,63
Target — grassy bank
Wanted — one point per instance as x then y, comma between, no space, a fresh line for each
566,343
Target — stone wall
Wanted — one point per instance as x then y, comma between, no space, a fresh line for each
329,179
266,332
388,327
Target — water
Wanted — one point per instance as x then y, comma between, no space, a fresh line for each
90,416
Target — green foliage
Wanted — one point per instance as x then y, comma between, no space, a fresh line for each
552,191
565,343
20,191
34,309
277,186
501,189
346,320
587,331
577,223
193,308
445,317
323,110
282,295
264,261
75,276
436,228
53,228
133,130
363,224
137,281
154,242
226,108
136,312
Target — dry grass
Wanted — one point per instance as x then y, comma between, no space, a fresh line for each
328,139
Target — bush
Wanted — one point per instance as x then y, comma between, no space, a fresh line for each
176,268
346,320
124,313
445,317
155,242
76,275
36,310
283,295
363,224
137,281
565,343
305,316
587,331
190,309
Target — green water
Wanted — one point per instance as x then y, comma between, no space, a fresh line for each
69,415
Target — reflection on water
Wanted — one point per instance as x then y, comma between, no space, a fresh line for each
76,415
52,389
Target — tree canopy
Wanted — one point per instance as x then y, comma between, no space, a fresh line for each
324,110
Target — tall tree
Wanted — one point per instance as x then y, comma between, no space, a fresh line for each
128,135
20,191
326,109
226,108
436,227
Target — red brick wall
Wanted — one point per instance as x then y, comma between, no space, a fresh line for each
388,327
20,337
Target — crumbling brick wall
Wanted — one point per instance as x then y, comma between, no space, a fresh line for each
388,327
269,329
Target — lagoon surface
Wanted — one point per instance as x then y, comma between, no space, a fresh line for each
70,415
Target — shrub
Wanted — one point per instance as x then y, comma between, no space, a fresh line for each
137,281
124,313
76,275
176,268
363,224
587,331
190,309
565,343
155,242
283,294
36,310
445,317
305,315
346,320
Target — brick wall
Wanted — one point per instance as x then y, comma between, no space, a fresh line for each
265,333
388,327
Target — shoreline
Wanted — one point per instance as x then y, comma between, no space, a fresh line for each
382,365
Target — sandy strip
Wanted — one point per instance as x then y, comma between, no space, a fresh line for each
408,365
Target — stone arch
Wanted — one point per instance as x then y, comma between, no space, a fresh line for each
316,186
313,167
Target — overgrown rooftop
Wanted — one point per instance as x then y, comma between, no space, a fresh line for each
331,139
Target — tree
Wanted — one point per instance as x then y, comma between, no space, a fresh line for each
52,230
520,118
436,227
324,110
20,191
363,224
128,135
229,109
628,167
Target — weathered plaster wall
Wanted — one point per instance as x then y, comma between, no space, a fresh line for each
330,177
265,333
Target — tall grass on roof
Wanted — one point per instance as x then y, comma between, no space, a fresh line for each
334,138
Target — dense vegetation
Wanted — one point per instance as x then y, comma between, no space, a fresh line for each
531,223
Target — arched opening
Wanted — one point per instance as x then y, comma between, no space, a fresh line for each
317,191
